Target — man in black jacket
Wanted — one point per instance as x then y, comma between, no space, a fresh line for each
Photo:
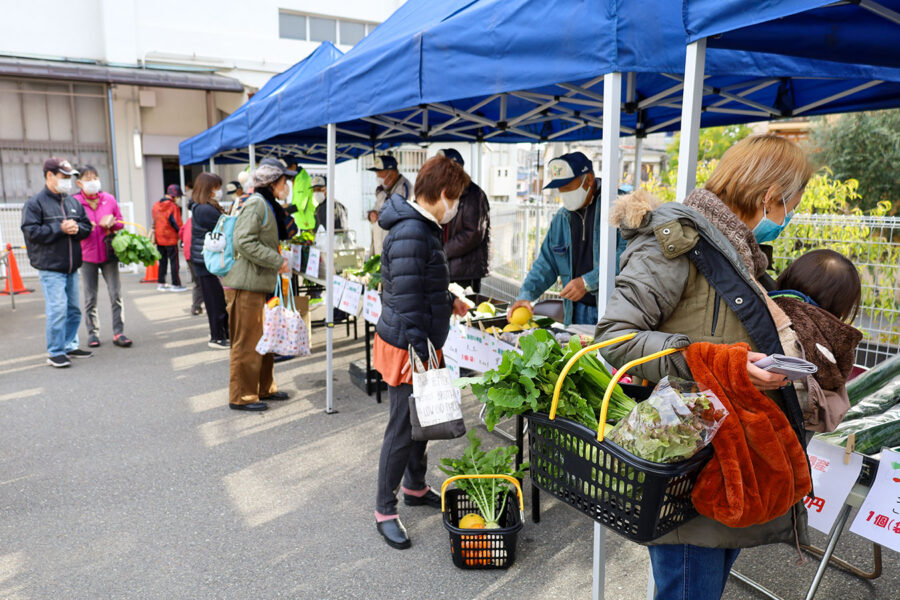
467,237
54,223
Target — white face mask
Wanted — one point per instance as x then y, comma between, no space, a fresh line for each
449,213
92,187
290,190
319,197
64,186
217,195
574,199
379,181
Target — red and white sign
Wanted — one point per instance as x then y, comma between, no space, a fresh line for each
372,307
832,482
351,297
879,517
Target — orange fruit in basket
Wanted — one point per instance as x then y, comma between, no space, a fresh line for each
471,521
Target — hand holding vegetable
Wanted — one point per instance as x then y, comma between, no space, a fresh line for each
517,304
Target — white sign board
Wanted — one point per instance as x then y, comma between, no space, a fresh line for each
338,285
372,307
474,349
832,482
451,366
312,265
351,297
878,519
296,259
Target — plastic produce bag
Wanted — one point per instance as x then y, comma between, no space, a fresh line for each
673,424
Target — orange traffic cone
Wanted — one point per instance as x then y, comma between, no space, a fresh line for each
152,273
14,283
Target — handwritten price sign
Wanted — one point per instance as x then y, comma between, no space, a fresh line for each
879,517
832,482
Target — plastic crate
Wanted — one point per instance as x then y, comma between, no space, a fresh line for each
481,548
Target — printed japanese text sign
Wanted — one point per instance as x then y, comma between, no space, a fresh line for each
296,259
351,297
338,285
878,519
832,482
312,265
372,307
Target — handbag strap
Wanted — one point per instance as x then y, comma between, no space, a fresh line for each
279,293
416,363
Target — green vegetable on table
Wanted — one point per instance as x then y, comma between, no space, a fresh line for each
872,433
525,382
131,248
372,268
489,495
877,402
873,380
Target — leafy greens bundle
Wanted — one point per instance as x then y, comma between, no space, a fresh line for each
131,248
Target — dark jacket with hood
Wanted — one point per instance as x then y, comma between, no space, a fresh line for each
467,237
416,305
204,218
49,249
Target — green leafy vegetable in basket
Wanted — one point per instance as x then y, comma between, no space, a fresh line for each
524,382
673,424
131,248
489,495
304,238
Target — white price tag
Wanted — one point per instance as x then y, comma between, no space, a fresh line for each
473,349
351,297
372,307
312,265
878,519
832,482
296,259
338,285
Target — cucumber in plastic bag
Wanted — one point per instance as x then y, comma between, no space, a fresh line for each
872,433
876,403
874,379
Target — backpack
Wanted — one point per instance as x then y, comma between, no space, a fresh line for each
218,244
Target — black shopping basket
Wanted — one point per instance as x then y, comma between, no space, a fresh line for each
638,499
481,548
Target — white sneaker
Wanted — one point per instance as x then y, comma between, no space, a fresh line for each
162,288
177,288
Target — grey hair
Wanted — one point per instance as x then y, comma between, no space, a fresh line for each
266,175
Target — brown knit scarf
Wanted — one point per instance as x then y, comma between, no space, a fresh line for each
726,221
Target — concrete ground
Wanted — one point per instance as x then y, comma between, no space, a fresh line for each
126,476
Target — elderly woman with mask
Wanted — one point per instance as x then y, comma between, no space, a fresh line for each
255,272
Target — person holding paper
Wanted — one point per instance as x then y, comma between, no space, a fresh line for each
694,272
416,309
570,252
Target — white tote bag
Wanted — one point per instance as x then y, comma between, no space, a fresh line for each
435,407
284,330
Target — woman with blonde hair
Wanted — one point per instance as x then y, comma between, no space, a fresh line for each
695,272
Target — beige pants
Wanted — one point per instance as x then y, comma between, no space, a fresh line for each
252,374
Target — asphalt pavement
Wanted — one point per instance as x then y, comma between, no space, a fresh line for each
127,476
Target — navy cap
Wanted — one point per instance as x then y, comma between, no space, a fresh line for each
232,187
567,168
277,162
453,155
384,162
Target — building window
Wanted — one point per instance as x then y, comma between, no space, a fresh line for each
352,32
291,26
313,28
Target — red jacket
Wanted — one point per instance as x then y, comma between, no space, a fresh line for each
166,222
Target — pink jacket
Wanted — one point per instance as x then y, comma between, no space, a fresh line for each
93,248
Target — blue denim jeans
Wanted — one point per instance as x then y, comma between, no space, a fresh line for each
685,572
63,311
584,314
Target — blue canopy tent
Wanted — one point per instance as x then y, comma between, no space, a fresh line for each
862,32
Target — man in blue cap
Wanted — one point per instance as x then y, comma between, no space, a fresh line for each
467,236
571,249
390,182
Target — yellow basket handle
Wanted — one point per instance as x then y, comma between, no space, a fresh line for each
138,225
509,478
574,359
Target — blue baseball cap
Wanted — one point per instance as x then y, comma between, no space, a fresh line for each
453,154
384,162
567,168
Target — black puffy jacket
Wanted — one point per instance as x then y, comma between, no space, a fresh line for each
49,249
416,305
203,220
467,237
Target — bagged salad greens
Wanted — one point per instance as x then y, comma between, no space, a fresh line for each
673,424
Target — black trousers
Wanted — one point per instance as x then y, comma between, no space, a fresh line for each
214,299
169,255
400,455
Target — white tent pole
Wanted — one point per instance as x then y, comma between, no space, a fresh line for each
212,164
251,149
329,273
638,162
694,66
609,184
184,204
479,160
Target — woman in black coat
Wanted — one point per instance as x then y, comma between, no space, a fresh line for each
416,309
205,214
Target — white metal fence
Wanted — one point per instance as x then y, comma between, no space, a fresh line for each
872,243
11,233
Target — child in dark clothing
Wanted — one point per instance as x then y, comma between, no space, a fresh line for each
821,293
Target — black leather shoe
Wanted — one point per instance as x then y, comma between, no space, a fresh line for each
253,406
276,396
430,499
394,533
